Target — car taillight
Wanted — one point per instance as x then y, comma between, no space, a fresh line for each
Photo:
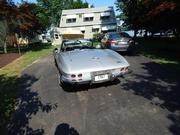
122,69
126,69
131,42
111,42
79,75
73,75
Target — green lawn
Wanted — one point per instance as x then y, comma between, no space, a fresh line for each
165,51
9,77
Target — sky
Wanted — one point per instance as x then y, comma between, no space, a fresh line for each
96,3
101,3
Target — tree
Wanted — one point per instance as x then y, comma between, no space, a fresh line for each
164,15
78,4
53,8
150,15
28,22
3,34
130,13
7,8
20,20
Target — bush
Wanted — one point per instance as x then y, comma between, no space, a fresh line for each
97,37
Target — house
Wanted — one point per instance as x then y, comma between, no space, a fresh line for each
88,21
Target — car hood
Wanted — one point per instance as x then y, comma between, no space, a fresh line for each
88,60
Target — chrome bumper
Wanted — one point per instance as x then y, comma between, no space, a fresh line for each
111,77
119,47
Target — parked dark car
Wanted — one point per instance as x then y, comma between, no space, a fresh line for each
118,41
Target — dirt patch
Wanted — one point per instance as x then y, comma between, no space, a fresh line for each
8,58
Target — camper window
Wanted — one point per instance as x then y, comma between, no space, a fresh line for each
71,20
86,19
56,36
83,31
95,29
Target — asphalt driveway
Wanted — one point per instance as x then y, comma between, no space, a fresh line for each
145,102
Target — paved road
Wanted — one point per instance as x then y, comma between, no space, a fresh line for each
145,102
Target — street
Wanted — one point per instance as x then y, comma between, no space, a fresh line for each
144,102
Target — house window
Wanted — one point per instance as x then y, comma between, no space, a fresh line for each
95,29
71,20
87,19
83,31
105,18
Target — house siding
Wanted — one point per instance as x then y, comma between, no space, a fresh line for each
88,25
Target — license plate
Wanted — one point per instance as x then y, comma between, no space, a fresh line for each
101,77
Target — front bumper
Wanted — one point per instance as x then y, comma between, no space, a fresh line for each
120,47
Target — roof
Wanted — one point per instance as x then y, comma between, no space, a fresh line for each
86,10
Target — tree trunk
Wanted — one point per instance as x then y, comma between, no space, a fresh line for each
19,49
135,33
161,33
152,34
5,46
17,44
175,33
145,34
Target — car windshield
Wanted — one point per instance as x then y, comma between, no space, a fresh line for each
70,45
114,36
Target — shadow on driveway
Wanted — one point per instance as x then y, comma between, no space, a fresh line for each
86,87
161,87
65,129
29,103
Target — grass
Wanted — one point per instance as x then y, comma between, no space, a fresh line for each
9,78
164,51
96,43
31,54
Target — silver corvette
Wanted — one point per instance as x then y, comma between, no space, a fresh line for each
79,62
